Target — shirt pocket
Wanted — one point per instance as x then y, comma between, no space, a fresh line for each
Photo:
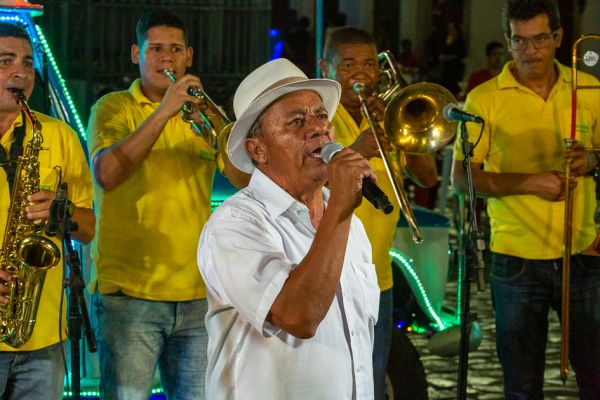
49,178
367,279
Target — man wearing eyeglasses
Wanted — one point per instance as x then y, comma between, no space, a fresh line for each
518,165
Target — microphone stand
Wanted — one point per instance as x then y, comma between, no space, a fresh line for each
77,314
467,318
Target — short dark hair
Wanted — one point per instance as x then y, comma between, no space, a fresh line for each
522,10
157,17
11,30
345,35
491,46
256,130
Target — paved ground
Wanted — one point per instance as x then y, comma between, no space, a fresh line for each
484,377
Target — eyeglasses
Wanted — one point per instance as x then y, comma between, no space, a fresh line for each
540,41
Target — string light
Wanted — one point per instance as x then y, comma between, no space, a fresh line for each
61,81
92,393
407,264
24,20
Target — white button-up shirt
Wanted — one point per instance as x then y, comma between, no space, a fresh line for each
246,252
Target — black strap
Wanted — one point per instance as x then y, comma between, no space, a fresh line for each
16,149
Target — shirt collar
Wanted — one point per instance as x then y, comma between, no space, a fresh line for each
506,79
8,137
136,91
343,112
275,199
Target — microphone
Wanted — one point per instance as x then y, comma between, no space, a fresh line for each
452,113
370,191
590,58
56,209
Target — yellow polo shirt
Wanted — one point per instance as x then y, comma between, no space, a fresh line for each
62,150
147,228
524,133
379,226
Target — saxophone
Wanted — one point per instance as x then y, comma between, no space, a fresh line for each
26,254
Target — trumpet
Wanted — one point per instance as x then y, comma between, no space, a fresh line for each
206,127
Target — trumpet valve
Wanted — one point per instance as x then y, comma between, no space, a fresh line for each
196,92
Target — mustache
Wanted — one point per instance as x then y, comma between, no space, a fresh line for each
531,59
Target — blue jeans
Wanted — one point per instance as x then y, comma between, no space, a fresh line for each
382,342
32,375
136,335
523,292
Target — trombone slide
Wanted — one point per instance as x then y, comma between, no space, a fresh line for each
399,191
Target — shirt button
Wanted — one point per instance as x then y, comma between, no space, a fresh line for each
358,369
354,332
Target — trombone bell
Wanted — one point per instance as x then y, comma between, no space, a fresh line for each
414,120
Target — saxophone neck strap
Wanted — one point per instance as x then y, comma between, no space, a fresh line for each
16,149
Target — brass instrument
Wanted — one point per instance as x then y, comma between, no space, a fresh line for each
26,254
590,60
206,129
413,122
237,178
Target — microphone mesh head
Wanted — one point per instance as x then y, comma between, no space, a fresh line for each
329,150
590,58
446,112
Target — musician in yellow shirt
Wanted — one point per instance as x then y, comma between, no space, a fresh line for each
350,56
35,369
518,165
152,180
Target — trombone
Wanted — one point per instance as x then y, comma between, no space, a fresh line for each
413,120
206,128
590,59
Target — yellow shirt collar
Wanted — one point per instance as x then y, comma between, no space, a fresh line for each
136,91
8,137
506,79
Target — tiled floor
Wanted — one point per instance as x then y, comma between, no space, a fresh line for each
484,378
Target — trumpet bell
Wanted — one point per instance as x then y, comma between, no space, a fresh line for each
413,118
237,178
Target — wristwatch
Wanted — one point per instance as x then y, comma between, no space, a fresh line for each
595,172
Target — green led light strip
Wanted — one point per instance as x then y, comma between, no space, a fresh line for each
407,264
50,58
214,204
97,394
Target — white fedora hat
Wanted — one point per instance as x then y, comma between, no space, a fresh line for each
260,89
